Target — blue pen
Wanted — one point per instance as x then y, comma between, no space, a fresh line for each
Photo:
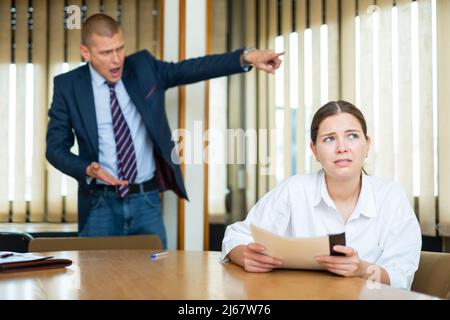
6,255
158,255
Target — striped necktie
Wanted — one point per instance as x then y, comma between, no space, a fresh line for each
126,157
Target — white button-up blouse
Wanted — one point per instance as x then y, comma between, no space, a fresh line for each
382,228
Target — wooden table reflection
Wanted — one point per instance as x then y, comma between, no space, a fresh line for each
130,274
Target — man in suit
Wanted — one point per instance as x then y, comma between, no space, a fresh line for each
114,105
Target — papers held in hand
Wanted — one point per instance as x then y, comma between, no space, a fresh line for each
297,253
13,262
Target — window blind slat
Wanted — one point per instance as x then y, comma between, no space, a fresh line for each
92,7
405,145
332,15
272,33
73,43
443,26
367,73
110,8
74,60
170,203
263,142
383,139
129,25
56,59
347,77
316,22
37,203
19,203
235,169
301,125
427,212
286,29
146,26
195,111
217,168
159,5
5,59
250,108
21,55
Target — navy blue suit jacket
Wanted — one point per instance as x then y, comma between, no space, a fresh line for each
72,113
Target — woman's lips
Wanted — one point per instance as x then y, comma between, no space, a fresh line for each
343,162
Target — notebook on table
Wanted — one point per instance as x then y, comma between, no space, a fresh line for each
15,262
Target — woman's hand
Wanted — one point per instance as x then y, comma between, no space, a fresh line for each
252,258
348,266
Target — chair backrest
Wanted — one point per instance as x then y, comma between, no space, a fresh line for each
433,275
14,241
95,243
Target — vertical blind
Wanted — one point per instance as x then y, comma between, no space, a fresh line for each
38,44
386,57
217,171
442,14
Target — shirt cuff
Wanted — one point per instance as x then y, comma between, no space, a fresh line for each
229,245
246,67
89,180
397,278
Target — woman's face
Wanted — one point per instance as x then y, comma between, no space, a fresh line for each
341,146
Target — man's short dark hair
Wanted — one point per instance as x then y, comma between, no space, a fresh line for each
100,24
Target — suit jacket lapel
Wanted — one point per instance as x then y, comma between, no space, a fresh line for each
131,84
85,101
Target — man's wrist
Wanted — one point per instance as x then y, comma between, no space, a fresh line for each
245,54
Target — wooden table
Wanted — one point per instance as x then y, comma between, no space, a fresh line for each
130,274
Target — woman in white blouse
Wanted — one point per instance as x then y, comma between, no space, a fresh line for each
382,231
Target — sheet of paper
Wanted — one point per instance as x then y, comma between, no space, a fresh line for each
9,257
296,253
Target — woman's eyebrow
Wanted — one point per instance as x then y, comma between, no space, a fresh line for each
333,132
353,130
328,134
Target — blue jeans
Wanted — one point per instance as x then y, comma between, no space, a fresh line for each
110,215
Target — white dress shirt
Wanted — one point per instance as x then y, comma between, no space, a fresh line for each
382,228
143,146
